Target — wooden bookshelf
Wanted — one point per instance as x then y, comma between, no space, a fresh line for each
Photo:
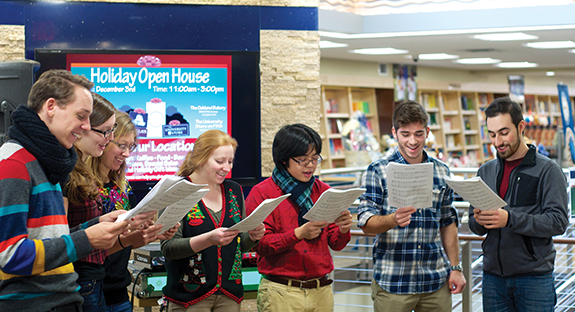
338,105
455,121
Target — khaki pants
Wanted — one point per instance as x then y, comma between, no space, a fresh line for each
220,303
438,301
275,297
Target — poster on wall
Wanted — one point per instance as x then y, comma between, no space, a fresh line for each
517,88
567,119
405,84
171,100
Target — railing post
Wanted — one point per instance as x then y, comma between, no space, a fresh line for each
466,264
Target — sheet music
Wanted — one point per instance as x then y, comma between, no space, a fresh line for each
167,191
331,203
477,193
259,214
175,212
410,185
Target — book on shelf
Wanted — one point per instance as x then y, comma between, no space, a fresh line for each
335,126
335,146
447,123
432,119
464,103
429,100
467,123
360,106
451,141
331,106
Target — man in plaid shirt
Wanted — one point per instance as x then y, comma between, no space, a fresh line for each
416,252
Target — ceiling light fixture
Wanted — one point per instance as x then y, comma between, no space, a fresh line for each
551,44
437,56
506,37
516,65
329,34
550,74
379,51
324,44
477,61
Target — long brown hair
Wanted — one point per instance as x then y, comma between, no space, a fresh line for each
83,183
204,146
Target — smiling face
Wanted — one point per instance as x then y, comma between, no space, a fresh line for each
303,172
411,141
68,123
93,143
506,137
219,164
113,157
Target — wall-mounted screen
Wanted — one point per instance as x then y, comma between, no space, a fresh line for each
172,97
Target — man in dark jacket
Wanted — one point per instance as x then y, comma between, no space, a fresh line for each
518,252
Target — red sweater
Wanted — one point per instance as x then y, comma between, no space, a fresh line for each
279,251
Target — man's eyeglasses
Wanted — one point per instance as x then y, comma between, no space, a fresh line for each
106,133
305,162
123,147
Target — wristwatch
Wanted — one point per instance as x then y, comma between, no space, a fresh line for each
457,268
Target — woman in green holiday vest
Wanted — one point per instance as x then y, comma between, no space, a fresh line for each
204,262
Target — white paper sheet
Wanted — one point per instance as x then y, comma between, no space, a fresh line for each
409,185
331,203
259,214
476,192
167,191
175,212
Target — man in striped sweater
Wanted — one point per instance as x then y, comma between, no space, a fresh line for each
36,246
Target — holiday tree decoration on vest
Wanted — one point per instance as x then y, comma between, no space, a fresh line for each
236,273
195,274
195,216
235,212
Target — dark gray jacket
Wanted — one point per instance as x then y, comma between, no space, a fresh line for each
537,205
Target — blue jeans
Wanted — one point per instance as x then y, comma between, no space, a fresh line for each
93,294
125,306
521,294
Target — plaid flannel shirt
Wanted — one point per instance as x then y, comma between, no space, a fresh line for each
409,260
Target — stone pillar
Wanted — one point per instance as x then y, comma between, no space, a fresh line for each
290,87
12,46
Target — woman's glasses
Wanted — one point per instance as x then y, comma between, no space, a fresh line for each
123,147
106,133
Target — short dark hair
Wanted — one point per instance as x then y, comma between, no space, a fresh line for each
504,105
408,112
292,141
58,84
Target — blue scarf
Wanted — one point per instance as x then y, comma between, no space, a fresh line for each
300,191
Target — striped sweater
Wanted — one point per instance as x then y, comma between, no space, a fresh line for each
36,247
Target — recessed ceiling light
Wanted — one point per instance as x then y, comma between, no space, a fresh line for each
379,51
550,73
477,60
516,65
551,44
506,37
324,44
571,51
437,56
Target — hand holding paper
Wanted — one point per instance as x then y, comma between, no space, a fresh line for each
477,193
259,214
409,185
331,203
167,191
